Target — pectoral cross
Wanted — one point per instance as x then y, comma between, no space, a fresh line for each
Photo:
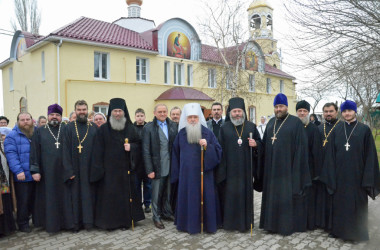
80,148
324,142
57,144
347,146
273,138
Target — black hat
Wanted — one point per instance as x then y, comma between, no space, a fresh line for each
303,105
235,103
118,103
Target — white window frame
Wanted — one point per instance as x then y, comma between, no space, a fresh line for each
212,78
11,83
190,73
228,76
282,87
139,75
167,72
100,65
251,83
43,66
179,74
100,107
252,114
269,87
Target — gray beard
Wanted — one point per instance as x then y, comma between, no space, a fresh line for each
237,122
305,120
194,133
54,123
117,124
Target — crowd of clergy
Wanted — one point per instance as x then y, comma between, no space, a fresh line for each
106,172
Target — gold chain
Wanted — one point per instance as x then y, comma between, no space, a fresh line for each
324,131
274,127
241,130
76,130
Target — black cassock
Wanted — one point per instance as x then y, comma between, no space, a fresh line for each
234,175
286,178
114,185
351,176
315,166
323,200
50,208
78,165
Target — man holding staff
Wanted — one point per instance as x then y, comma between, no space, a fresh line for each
197,200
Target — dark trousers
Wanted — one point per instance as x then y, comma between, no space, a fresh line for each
147,189
25,197
161,198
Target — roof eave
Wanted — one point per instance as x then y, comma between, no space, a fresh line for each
278,75
6,63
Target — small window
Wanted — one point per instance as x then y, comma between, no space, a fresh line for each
167,72
228,79
178,74
11,86
189,75
269,86
43,66
252,114
282,86
142,70
101,109
251,81
101,66
212,78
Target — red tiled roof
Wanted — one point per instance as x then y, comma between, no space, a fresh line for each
182,93
93,30
277,72
30,38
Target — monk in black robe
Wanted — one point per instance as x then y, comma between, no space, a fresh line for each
47,170
323,200
286,174
351,173
112,170
78,144
236,171
315,160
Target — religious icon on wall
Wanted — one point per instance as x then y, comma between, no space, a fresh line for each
251,61
21,48
178,45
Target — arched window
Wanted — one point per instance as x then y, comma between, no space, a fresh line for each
269,22
256,21
23,105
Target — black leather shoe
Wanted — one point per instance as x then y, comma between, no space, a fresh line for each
169,218
148,210
159,224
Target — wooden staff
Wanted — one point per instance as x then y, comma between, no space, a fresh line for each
130,190
202,169
251,185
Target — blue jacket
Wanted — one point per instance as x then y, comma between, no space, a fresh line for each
17,150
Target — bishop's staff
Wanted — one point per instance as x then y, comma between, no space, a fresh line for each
203,148
130,190
250,183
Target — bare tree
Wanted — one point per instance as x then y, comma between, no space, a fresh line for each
27,12
339,42
227,33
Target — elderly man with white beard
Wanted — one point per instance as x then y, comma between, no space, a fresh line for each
315,162
116,151
241,146
186,170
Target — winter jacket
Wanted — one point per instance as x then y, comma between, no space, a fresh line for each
17,150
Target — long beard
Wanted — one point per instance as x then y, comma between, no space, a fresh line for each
117,124
194,133
238,122
27,130
305,120
82,118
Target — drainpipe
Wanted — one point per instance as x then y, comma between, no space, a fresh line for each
58,73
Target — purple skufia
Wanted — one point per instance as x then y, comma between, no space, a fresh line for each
348,105
55,108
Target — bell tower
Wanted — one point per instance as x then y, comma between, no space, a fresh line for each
134,8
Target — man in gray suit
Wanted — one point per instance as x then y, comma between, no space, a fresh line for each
217,121
158,138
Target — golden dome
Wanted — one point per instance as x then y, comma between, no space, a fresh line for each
259,3
138,2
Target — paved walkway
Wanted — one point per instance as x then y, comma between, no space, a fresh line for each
146,236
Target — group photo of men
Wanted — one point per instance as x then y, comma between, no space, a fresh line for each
109,171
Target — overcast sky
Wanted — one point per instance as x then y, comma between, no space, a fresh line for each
56,14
